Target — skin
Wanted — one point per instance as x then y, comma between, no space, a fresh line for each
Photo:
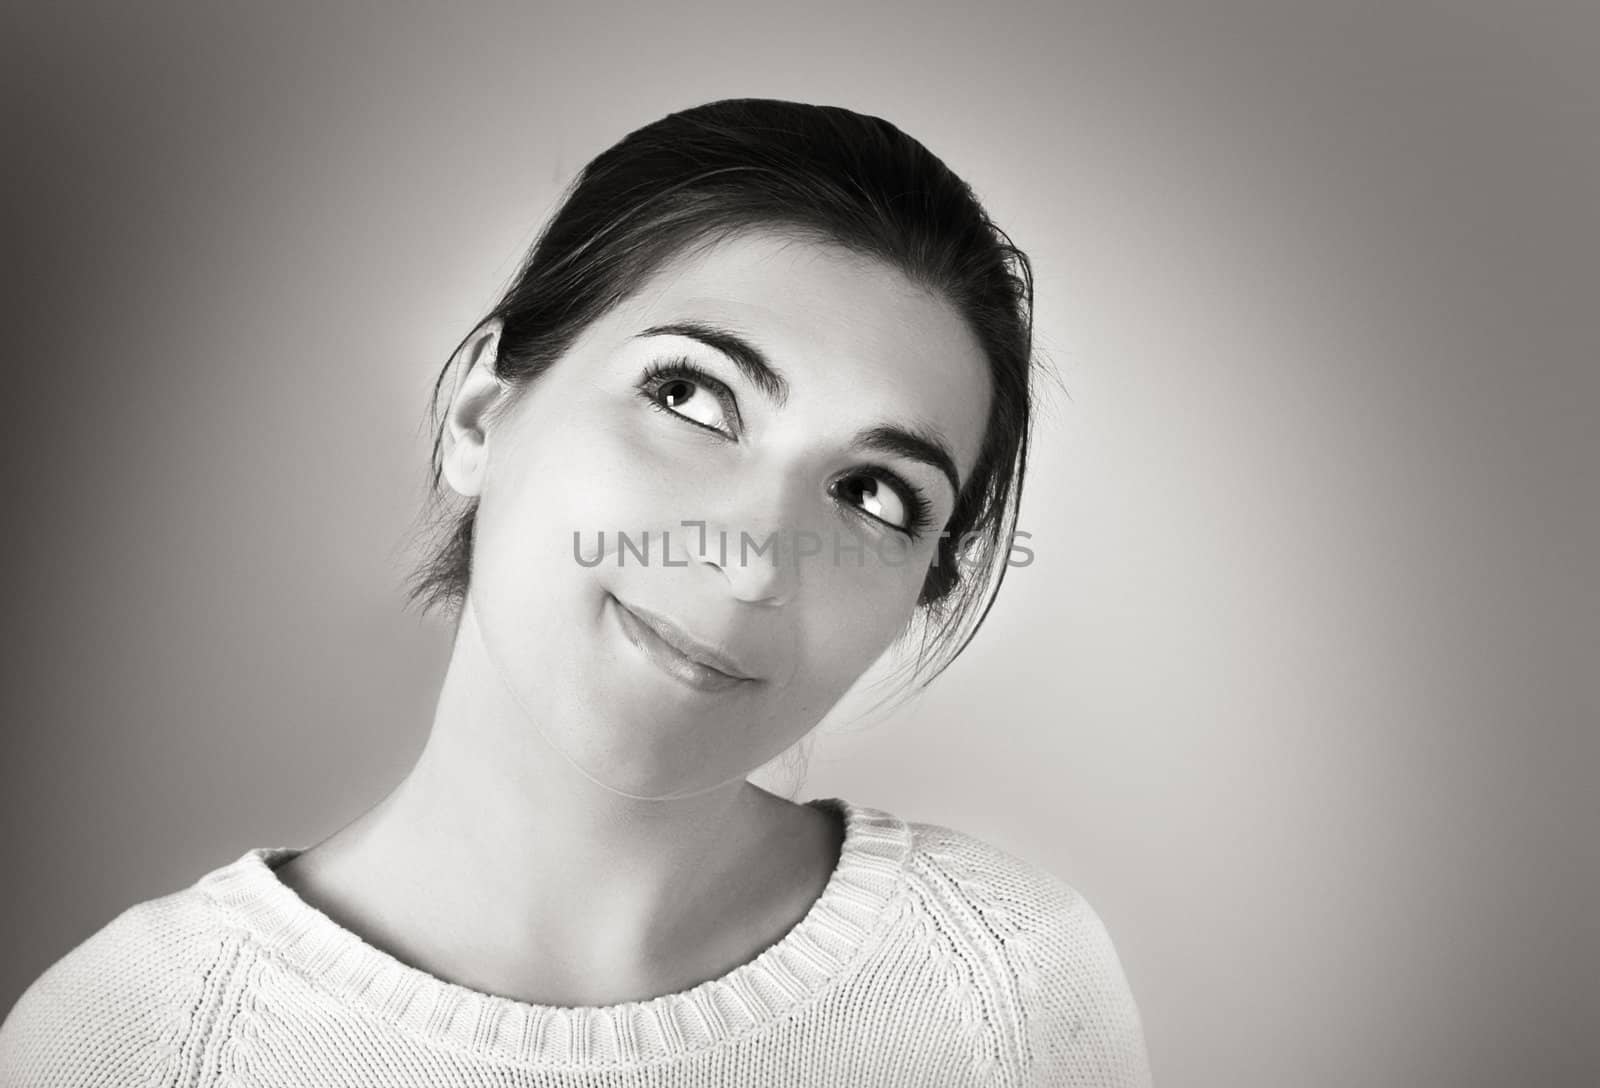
529,852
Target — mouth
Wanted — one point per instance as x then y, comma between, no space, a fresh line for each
674,653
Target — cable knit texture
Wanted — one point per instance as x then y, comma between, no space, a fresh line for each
931,958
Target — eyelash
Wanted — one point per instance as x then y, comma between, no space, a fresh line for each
658,374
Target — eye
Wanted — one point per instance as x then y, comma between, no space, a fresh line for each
888,499
682,388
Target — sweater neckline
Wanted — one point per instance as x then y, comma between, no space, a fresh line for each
839,929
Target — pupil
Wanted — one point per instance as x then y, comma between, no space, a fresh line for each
673,399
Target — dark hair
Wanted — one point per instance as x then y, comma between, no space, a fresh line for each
819,172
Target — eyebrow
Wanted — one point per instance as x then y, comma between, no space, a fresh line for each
750,360
917,444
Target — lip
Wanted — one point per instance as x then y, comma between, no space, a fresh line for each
675,653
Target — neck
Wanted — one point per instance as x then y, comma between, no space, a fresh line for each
496,861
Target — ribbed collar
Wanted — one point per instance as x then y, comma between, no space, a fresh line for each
839,929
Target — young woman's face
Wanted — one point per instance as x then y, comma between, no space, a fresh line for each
782,513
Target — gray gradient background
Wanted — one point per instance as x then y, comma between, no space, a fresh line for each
1301,689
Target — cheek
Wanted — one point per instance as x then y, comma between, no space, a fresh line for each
851,615
578,472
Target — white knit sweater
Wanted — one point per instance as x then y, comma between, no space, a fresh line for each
931,959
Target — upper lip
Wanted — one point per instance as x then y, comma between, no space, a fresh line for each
686,644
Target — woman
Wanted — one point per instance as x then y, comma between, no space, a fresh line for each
755,410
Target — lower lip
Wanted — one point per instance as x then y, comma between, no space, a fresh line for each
668,659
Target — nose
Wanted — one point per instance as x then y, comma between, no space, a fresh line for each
759,527
760,565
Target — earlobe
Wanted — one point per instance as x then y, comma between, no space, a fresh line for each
463,469
466,457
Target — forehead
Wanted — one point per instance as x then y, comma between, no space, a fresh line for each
848,332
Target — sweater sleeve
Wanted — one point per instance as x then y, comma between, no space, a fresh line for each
116,1010
1083,1025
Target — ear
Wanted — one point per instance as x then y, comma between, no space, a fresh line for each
466,455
